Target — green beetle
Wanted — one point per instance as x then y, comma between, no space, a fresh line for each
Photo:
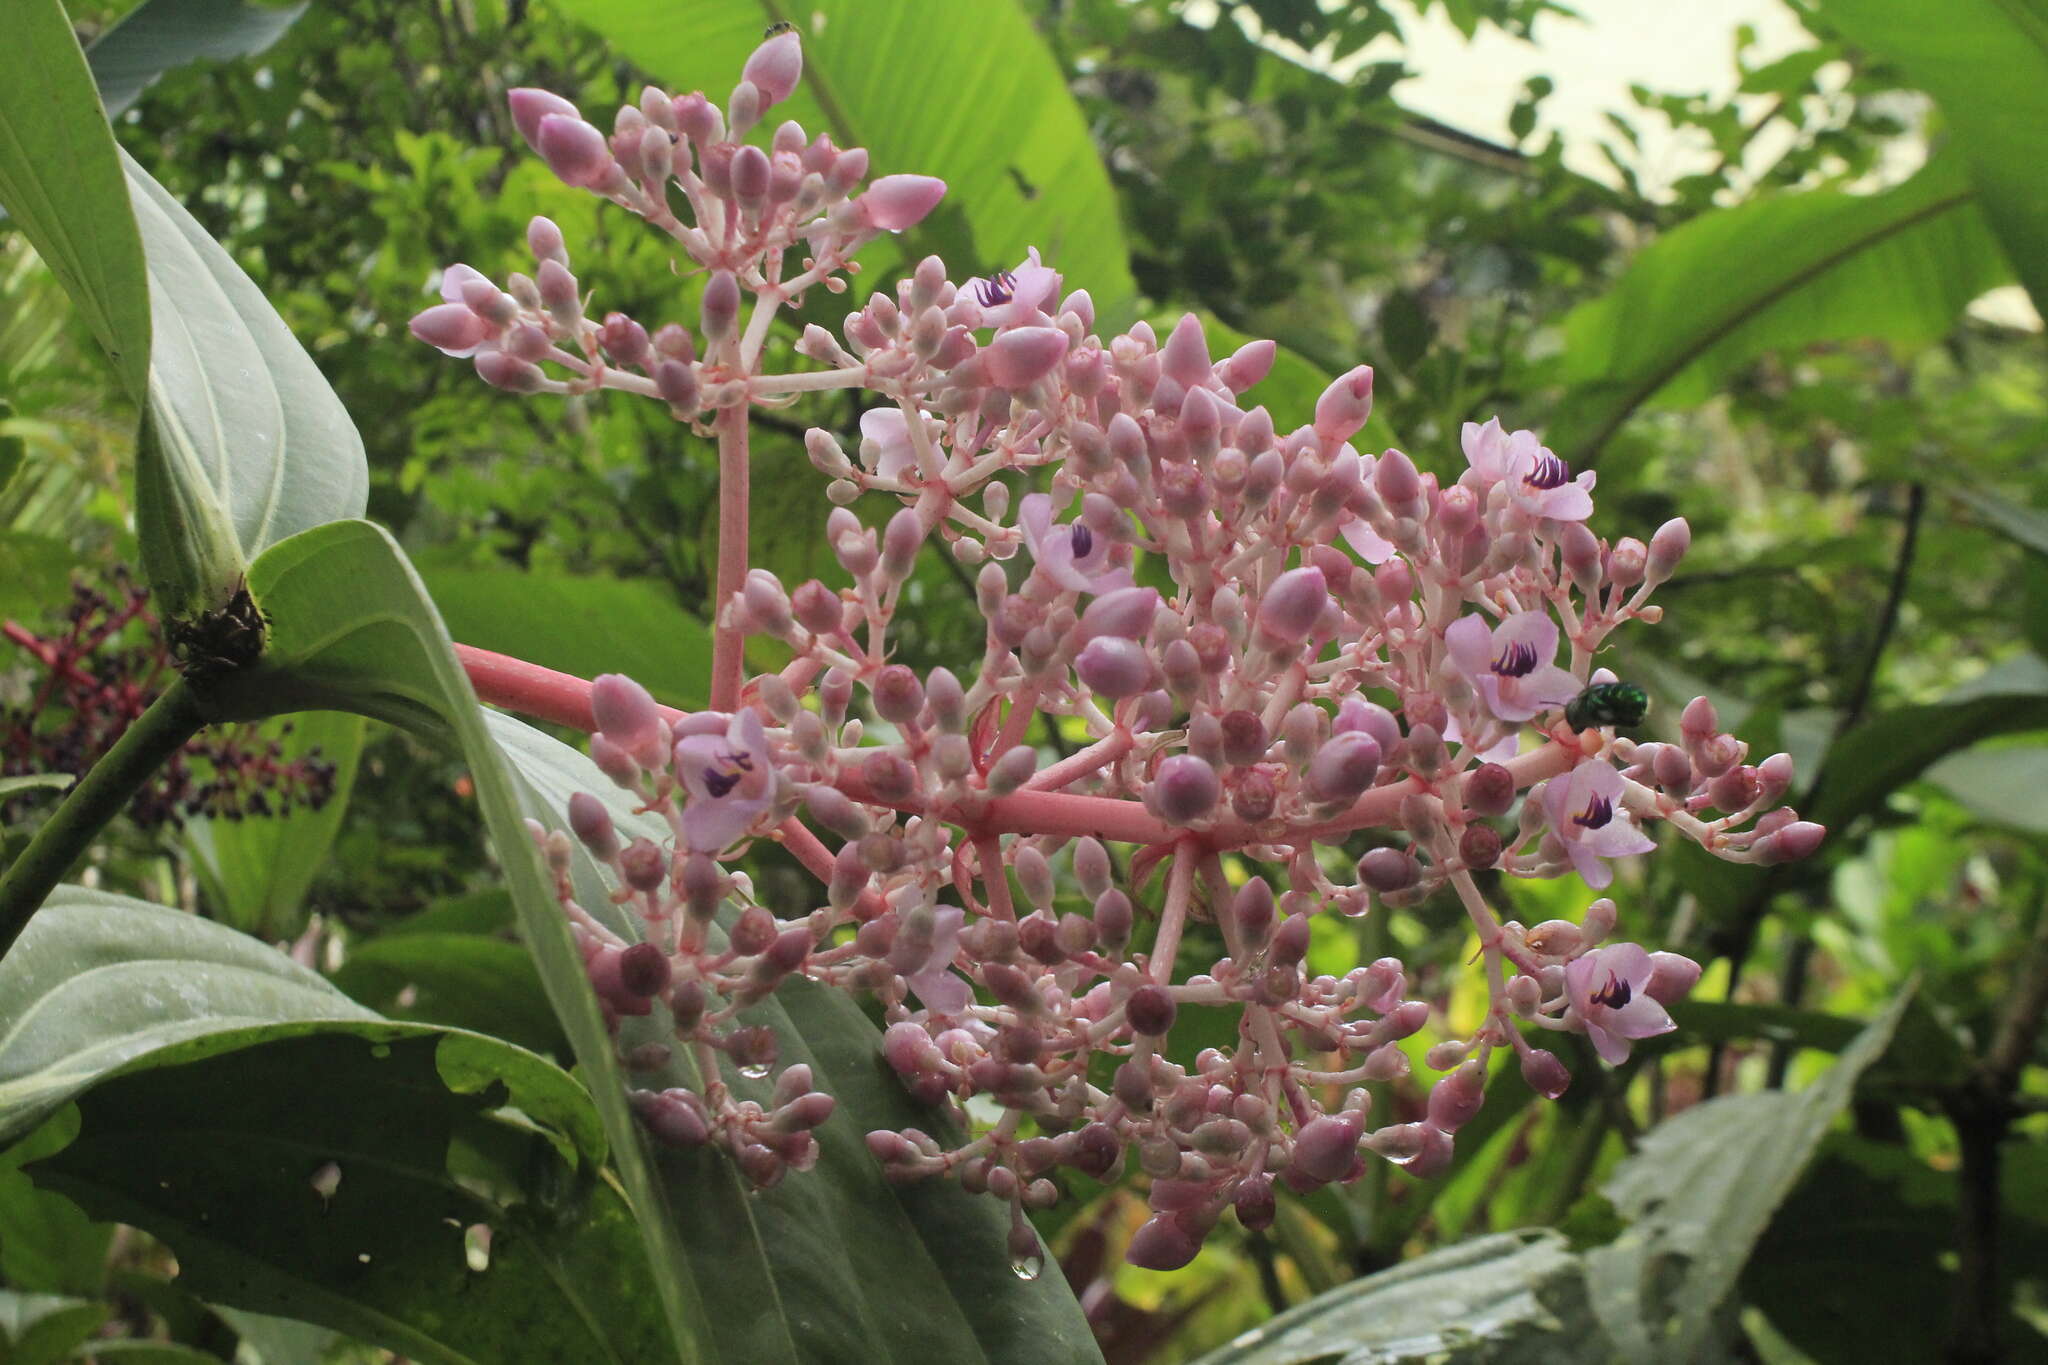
1615,703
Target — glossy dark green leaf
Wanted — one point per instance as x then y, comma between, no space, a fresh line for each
2004,785
214,1078
61,181
1986,64
1774,273
987,112
160,35
582,625
259,868
466,980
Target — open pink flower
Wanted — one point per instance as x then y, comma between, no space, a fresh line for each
942,989
1024,297
730,779
1585,810
1511,664
452,326
1541,481
1608,990
1070,553
890,432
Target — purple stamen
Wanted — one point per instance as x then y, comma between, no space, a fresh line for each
1598,812
721,780
996,290
1549,472
1516,661
1614,994
1083,541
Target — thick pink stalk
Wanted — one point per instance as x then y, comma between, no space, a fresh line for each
727,644
1173,917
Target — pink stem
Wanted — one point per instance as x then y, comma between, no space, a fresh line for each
1080,763
727,644
1180,884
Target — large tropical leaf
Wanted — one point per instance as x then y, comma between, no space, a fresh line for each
244,439
1986,63
1772,274
60,180
214,1079
159,35
968,93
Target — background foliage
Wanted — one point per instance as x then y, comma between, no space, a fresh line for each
1779,346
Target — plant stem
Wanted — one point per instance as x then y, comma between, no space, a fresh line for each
728,644
99,796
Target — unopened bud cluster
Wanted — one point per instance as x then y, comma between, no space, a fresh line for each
1258,642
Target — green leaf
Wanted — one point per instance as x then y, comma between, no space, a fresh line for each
2024,526
1986,64
1894,747
584,625
1698,1193
36,1329
160,35
786,1276
259,868
1512,1298
469,981
61,180
245,444
1774,273
987,111
2002,785
214,1078
10,786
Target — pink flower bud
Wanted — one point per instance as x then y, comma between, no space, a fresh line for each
901,540
451,327
1479,846
576,152
1698,720
1114,667
1489,789
721,306
643,970
1289,609
592,824
1800,839
1021,356
674,1118
509,372
1455,1100
750,178
1598,921
1667,547
627,716
1163,1243
897,202
1773,776
1185,788
1185,357
1012,770
1672,769
889,776
1126,613
1626,562
1580,551
1326,1147
1544,1073
544,240
1344,767
1395,477
1289,944
1247,365
1344,406
898,696
1389,869
530,106
1113,917
775,67
1150,1011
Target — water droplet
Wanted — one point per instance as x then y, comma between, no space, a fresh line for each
754,1071
1027,1267
325,1180
476,1247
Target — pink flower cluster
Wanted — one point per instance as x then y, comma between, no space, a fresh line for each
1249,647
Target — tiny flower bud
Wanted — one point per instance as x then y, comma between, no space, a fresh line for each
1344,405
1114,667
1150,1011
1326,1147
1389,869
721,306
1290,607
898,202
1185,787
1488,789
592,824
775,66
1543,1072
576,152
1344,767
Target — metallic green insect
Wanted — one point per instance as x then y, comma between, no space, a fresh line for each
1615,703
